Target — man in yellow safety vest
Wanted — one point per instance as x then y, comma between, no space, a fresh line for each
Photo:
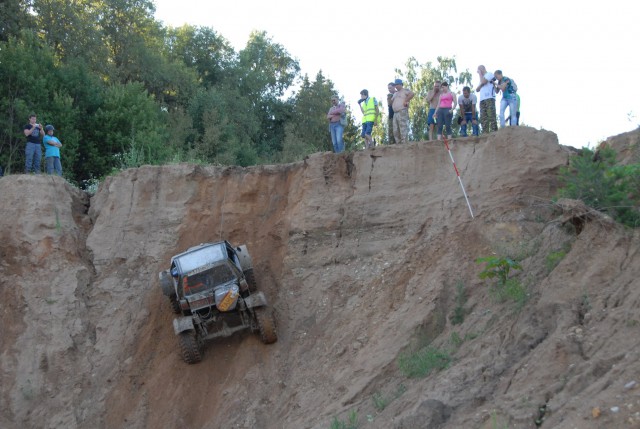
370,114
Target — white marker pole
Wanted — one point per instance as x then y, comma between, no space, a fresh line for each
444,138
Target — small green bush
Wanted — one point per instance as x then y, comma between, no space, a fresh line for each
512,290
595,179
497,267
351,423
380,401
554,258
455,339
505,288
421,363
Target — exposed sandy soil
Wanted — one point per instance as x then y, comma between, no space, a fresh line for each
363,257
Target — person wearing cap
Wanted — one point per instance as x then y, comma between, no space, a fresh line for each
33,149
52,152
370,114
400,104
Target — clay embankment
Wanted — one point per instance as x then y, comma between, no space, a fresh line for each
360,255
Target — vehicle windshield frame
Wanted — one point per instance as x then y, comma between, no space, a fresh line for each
203,256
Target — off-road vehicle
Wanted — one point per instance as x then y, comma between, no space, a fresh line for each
213,288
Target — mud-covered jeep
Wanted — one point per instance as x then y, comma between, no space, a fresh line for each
213,287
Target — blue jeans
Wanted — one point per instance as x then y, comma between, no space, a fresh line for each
513,105
444,119
468,116
33,153
52,164
430,120
336,131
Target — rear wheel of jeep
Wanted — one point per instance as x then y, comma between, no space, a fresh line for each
251,280
190,348
175,305
266,324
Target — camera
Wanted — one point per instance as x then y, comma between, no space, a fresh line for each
360,101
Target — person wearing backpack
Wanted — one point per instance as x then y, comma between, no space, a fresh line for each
509,98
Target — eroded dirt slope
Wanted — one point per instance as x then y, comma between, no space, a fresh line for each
363,257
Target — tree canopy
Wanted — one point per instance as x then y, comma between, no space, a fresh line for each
124,90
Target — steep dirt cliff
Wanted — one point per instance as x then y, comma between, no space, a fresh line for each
366,257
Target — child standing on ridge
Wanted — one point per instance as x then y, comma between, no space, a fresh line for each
52,152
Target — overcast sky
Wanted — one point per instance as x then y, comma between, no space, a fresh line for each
575,63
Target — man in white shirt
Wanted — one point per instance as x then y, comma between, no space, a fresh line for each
488,119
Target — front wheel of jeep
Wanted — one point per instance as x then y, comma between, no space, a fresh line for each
251,280
175,305
266,324
190,348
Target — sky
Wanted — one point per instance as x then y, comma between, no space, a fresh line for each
575,62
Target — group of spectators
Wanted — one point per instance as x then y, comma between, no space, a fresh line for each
442,104
36,137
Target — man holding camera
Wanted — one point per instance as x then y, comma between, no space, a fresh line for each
509,96
33,149
487,100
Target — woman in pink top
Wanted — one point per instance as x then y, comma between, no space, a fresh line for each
444,113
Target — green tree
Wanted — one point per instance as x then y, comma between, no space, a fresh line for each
133,37
203,50
599,182
420,78
309,117
351,135
14,16
131,129
28,83
70,29
86,91
265,71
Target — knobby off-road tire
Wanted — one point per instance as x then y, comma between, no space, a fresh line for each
266,325
251,280
190,349
175,305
